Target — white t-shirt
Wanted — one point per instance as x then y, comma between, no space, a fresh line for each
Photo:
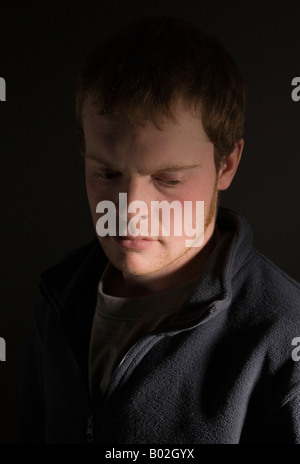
120,322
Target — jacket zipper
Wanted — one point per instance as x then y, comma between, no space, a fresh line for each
92,416
89,434
90,428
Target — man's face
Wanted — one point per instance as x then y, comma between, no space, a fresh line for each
173,162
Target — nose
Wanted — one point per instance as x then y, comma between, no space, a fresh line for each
138,198
134,202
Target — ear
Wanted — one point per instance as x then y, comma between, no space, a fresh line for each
229,166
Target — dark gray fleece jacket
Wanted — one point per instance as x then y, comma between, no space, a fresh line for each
228,377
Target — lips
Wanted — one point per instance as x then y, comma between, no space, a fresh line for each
138,243
139,237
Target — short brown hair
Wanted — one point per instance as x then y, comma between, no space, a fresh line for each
140,71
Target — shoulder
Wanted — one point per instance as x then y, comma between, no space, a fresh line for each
76,256
76,259
77,273
267,306
254,280
271,283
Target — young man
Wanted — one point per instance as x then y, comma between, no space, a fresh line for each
147,337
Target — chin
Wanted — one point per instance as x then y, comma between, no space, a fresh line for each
147,262
134,265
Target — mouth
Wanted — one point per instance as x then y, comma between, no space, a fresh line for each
135,243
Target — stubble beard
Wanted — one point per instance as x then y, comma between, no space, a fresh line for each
167,258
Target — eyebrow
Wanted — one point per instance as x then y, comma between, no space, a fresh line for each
177,167
162,169
93,157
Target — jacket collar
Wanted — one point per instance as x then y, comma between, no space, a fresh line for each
77,276
71,286
215,286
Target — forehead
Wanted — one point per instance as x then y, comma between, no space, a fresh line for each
117,142
113,128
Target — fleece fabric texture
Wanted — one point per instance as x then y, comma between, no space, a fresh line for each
227,378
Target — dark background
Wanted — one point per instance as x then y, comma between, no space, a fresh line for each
44,210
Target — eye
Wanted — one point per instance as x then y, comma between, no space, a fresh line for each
171,182
106,175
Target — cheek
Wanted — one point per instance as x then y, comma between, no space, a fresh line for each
93,195
201,189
